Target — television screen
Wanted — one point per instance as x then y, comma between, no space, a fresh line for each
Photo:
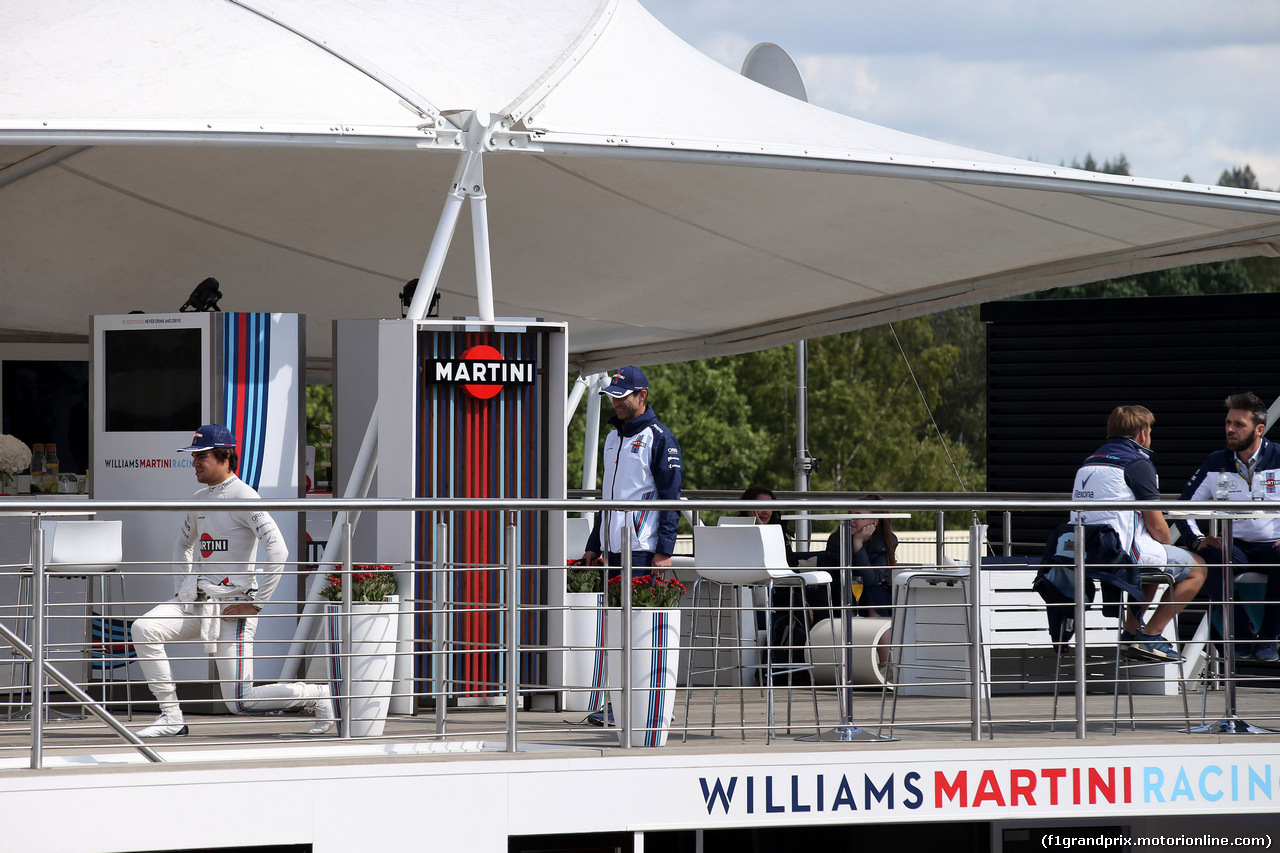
152,380
48,401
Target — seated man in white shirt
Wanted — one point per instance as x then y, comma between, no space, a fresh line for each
1122,470
1250,467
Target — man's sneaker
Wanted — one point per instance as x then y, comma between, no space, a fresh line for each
1243,651
1155,648
322,708
1266,652
597,719
168,724
1131,646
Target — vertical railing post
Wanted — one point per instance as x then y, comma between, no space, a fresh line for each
975,626
625,667
1082,725
36,668
845,670
940,530
513,630
345,619
441,639
1008,533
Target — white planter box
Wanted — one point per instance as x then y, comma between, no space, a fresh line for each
655,655
373,647
584,637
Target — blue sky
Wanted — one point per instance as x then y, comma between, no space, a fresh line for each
1179,87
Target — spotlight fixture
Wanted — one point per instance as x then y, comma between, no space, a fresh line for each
406,299
204,298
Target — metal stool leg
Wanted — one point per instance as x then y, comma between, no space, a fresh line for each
689,668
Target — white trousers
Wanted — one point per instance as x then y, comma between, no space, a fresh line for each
173,622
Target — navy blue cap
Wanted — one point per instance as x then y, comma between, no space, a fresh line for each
625,381
210,436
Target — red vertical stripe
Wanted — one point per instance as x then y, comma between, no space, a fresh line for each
470,549
481,451
242,376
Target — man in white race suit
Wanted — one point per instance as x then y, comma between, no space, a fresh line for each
219,590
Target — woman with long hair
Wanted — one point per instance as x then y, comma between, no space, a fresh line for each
765,515
873,554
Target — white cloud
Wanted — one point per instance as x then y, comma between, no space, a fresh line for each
1180,87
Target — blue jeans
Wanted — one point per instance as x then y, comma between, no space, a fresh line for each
1247,553
640,560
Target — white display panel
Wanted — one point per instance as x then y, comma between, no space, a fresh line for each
246,373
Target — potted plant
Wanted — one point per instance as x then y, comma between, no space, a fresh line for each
375,611
584,637
368,583
14,457
655,654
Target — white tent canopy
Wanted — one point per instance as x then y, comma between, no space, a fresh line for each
663,206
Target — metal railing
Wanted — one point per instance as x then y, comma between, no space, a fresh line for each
437,651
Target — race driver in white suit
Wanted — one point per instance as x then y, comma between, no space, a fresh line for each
219,591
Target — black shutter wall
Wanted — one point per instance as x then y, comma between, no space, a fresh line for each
1056,369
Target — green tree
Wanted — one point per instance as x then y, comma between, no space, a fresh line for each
1118,166
1239,177
702,405
961,408
870,425
320,413
870,422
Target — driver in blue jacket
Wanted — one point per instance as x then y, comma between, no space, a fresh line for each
1121,470
641,463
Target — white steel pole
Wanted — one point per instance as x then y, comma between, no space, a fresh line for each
580,385
468,180
591,438
480,240
367,458
802,438
357,487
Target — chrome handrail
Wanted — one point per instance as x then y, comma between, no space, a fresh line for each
511,609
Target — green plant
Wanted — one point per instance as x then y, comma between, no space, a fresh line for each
579,579
368,583
647,591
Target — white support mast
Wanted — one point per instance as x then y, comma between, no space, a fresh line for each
468,183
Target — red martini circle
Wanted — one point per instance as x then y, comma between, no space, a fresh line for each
482,352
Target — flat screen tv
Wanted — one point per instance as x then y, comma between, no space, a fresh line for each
48,401
153,381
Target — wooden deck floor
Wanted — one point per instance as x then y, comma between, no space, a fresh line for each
475,732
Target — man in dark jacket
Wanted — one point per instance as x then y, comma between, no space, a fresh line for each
1249,467
641,463
1121,470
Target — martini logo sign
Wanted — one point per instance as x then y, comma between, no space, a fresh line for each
482,371
210,546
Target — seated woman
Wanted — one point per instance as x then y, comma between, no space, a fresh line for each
765,515
873,554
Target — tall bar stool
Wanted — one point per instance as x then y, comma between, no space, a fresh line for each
939,664
1122,668
1212,670
1163,580
728,560
90,551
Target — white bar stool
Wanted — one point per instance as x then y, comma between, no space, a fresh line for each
90,551
729,559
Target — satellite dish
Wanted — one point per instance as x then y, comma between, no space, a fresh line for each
769,65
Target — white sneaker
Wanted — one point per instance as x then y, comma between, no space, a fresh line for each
322,708
168,724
